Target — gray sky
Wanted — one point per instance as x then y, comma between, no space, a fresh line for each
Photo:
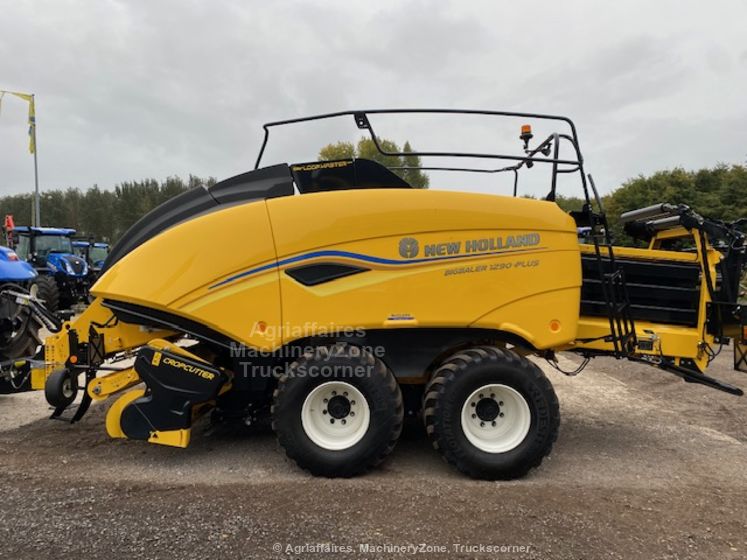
128,90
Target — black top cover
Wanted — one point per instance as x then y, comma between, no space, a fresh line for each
344,174
268,182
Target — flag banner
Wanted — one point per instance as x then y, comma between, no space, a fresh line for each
32,126
32,119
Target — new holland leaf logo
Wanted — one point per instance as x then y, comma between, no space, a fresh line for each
408,247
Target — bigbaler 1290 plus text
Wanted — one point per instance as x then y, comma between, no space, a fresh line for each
338,309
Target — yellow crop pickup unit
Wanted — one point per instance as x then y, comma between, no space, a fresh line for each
334,298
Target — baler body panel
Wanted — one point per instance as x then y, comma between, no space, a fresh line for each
461,269
423,259
162,274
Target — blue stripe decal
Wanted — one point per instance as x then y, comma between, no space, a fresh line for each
360,257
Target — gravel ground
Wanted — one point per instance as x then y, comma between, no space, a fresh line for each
646,466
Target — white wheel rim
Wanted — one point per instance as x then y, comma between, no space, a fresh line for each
67,388
335,415
496,418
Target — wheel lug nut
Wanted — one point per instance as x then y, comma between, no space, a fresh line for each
501,415
345,394
343,421
482,424
500,403
474,416
334,393
492,395
481,395
352,413
493,423
326,401
331,420
352,403
324,411
473,405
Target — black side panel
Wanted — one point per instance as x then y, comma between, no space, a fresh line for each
344,175
268,182
313,274
263,183
659,291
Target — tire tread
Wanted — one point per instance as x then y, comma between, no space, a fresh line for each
456,365
379,370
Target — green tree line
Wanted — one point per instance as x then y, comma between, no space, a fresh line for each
719,192
103,214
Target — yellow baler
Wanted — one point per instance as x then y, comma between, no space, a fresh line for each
340,309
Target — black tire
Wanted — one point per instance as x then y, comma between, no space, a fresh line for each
382,396
61,388
461,376
23,346
22,336
48,291
19,338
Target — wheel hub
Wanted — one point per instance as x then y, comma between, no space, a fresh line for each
495,418
335,415
338,407
487,409
67,388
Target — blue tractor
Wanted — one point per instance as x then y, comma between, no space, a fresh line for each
94,253
21,318
63,275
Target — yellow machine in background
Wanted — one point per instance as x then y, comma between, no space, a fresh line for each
338,310
683,335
